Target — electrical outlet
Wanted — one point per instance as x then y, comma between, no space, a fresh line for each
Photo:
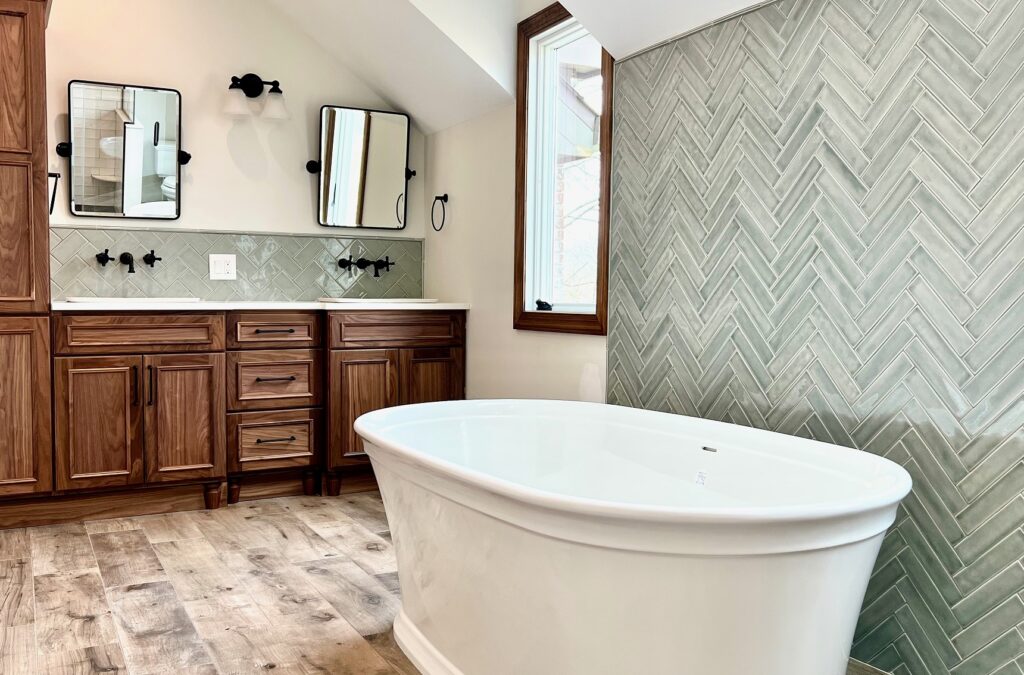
222,266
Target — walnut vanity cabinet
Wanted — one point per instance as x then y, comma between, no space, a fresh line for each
139,399
383,358
274,398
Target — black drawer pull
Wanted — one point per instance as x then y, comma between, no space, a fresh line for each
265,331
290,378
261,441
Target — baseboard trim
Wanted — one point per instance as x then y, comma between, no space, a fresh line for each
860,668
66,508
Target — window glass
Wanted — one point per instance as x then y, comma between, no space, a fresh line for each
563,171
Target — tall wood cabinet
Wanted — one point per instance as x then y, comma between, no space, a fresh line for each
25,449
25,436
24,252
381,359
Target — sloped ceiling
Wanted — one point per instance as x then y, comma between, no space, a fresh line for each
448,61
409,60
625,27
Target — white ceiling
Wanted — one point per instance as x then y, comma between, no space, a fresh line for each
448,61
625,27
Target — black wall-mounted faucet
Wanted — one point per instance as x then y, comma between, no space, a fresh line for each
377,265
384,264
345,263
129,260
151,258
104,257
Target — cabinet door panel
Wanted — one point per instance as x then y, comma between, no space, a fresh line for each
184,418
432,374
25,440
24,255
98,404
362,380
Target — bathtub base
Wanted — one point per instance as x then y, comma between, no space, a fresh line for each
423,654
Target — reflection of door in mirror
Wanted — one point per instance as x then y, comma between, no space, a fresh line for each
363,155
124,159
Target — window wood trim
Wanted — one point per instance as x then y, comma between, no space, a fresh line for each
559,322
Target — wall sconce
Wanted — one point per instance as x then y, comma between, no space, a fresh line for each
250,86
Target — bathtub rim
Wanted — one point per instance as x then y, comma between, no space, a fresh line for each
603,509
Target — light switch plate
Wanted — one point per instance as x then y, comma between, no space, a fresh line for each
222,267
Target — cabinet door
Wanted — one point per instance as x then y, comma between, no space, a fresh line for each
361,380
98,405
184,418
24,254
432,374
25,441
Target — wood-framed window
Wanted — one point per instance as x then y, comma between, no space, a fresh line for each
563,175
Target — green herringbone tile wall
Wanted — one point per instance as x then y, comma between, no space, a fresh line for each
269,266
818,228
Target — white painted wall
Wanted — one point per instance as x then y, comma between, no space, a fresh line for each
245,174
472,260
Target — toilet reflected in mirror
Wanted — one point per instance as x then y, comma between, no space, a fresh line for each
124,150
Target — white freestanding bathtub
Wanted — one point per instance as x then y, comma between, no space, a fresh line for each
558,538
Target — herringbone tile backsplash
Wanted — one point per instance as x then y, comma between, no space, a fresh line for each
818,228
269,266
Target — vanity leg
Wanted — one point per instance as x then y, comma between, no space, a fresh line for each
234,489
309,483
211,495
333,485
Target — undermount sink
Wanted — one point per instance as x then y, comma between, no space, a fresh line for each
378,300
130,301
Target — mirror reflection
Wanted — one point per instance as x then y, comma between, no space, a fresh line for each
124,150
363,160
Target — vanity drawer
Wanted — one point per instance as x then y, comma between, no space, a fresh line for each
382,329
272,440
259,330
282,378
137,333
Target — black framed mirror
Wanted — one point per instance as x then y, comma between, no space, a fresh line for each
125,151
363,168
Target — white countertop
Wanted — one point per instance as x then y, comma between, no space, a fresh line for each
135,305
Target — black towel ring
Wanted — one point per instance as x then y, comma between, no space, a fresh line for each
444,212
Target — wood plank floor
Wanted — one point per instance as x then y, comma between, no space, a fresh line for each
287,585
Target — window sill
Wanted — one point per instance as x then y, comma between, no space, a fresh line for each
561,322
